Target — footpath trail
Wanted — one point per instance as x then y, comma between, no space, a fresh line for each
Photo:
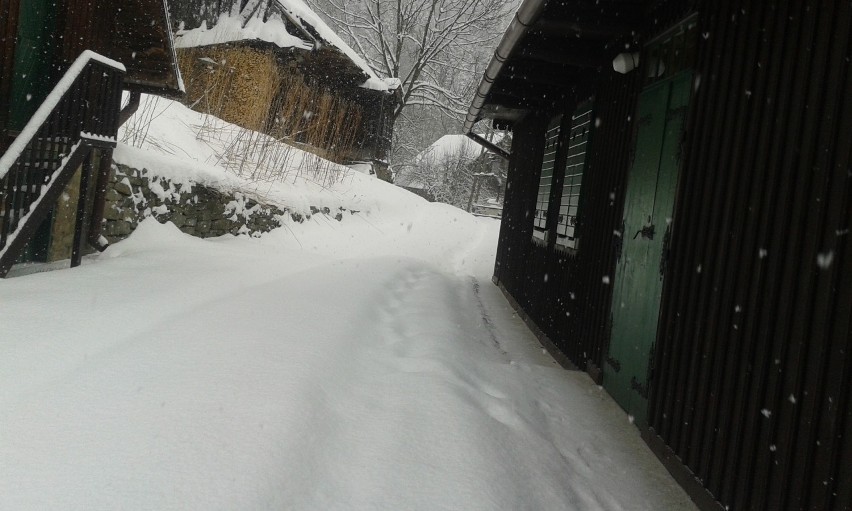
173,373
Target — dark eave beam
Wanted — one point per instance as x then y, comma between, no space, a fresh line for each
512,101
533,83
581,30
489,146
582,59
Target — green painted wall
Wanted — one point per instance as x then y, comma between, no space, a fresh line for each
34,59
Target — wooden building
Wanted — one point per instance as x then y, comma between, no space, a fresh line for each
676,223
275,66
63,67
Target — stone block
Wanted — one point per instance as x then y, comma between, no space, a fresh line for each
123,188
113,213
223,224
118,228
179,219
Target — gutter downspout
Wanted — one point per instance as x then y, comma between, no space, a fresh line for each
527,14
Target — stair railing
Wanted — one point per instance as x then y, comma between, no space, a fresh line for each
79,115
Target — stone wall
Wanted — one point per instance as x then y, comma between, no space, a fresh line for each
199,210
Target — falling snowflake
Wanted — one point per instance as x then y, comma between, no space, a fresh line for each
824,259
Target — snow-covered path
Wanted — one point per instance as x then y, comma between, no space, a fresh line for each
318,374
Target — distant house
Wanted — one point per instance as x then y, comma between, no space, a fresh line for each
274,66
677,223
63,67
443,171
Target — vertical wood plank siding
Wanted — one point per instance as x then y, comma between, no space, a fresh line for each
8,36
563,292
752,371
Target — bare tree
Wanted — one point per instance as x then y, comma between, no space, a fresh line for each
436,48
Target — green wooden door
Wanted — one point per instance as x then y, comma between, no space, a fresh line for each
32,80
648,209
34,59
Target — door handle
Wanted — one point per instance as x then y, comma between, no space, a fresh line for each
647,232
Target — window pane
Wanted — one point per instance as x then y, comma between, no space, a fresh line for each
546,180
581,128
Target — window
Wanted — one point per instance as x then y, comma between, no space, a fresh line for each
546,180
575,164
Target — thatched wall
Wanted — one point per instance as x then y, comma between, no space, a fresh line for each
261,89
237,84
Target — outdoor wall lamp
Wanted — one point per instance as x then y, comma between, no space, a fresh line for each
625,62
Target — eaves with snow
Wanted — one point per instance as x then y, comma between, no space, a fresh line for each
287,24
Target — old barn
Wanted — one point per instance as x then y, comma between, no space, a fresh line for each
276,67
63,67
676,223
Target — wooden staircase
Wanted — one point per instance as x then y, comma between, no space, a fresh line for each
80,116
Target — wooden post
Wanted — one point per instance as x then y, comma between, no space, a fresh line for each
80,226
104,168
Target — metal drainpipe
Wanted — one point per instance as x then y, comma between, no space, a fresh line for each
527,14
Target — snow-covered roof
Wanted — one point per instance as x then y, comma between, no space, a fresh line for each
450,146
445,148
234,27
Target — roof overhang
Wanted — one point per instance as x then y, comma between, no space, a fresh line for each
550,48
142,40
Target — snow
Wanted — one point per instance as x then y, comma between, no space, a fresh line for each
304,13
230,28
360,364
97,138
824,259
450,146
366,364
188,147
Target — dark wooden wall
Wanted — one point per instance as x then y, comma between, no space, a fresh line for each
753,374
192,13
564,292
133,32
8,34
